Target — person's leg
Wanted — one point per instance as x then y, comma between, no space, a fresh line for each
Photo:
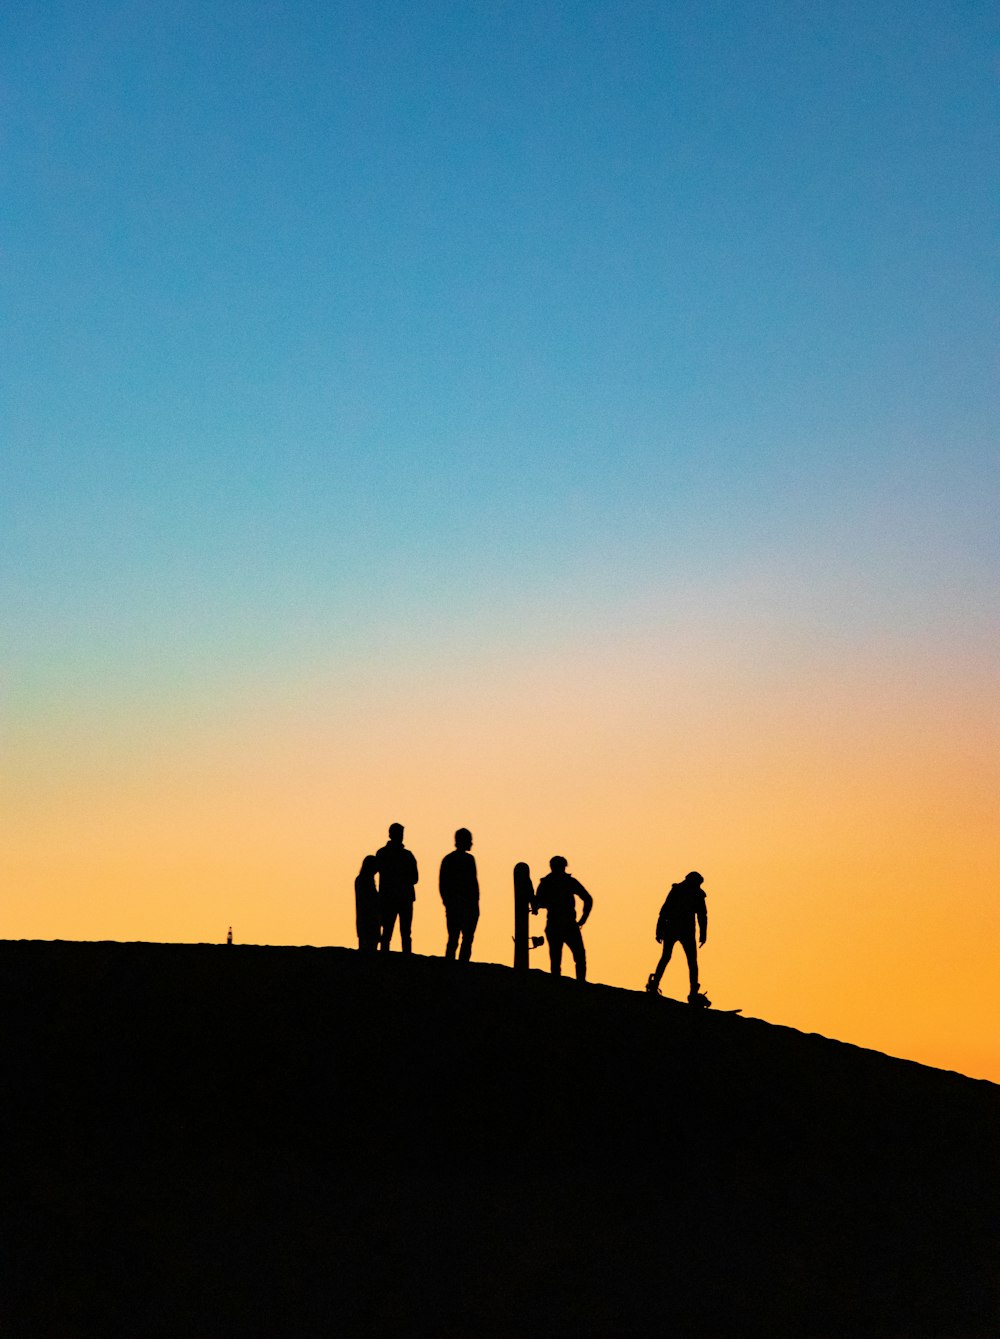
452,921
469,922
554,937
691,950
405,924
574,939
389,913
661,966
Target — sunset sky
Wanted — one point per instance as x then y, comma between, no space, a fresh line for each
573,422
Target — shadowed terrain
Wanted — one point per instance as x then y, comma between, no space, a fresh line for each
212,1140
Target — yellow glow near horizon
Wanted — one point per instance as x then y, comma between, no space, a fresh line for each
847,836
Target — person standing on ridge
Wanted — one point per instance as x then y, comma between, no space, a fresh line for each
684,906
557,893
397,878
366,914
459,887
367,919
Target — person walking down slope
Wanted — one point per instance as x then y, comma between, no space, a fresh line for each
557,893
397,878
366,913
459,886
684,906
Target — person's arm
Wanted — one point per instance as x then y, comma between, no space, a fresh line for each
586,899
540,899
702,920
475,876
443,881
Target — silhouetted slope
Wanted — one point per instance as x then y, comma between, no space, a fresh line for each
202,1140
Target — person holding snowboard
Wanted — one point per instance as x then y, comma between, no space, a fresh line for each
557,893
459,886
684,906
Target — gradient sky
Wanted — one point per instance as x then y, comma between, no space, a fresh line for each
573,422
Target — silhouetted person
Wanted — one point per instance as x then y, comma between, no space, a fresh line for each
366,909
684,906
557,893
397,877
459,885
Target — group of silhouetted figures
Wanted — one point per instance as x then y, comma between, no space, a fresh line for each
381,905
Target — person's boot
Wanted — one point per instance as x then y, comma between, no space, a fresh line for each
699,999
651,987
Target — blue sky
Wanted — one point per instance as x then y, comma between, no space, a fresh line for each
347,309
428,319
340,312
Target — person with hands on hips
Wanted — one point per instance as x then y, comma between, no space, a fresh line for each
557,893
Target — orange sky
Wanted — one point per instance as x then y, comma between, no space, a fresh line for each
844,822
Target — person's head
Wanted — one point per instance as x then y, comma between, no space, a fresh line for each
694,878
369,866
395,832
463,839
558,864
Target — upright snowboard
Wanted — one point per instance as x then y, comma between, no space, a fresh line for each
524,898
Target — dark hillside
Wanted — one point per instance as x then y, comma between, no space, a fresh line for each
202,1140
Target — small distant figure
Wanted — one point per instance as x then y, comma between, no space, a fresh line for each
397,879
366,909
684,906
229,936
557,893
459,886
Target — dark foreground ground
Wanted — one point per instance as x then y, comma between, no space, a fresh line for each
203,1140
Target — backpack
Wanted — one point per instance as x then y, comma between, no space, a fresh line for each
670,910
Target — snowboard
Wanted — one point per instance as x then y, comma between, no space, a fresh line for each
524,900
702,1003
